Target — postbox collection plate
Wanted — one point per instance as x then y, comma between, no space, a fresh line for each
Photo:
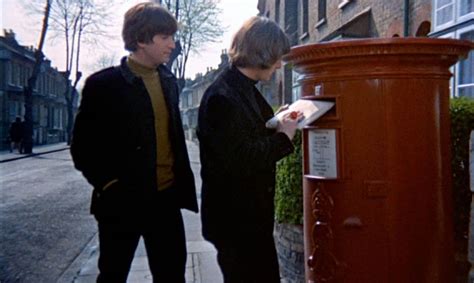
322,149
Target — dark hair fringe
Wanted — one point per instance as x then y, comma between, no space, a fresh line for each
259,43
145,20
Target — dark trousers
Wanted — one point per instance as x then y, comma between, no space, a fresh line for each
247,260
159,222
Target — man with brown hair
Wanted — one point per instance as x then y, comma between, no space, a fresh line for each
128,141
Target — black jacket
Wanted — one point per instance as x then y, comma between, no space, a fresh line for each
17,131
114,135
238,157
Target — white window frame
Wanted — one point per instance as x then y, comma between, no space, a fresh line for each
456,17
462,18
435,15
458,34
343,3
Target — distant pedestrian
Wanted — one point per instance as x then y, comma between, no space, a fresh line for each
16,135
238,156
128,141
26,140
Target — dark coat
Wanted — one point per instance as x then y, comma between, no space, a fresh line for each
16,131
238,157
114,136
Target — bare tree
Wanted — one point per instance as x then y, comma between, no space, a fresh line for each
77,22
199,26
104,61
28,90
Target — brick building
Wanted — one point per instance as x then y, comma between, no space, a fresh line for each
312,21
49,105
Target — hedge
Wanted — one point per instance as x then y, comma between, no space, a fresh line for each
462,123
289,187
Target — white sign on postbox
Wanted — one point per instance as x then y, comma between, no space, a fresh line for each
322,153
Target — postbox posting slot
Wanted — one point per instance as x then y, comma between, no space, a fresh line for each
333,114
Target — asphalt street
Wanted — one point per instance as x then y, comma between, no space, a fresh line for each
44,217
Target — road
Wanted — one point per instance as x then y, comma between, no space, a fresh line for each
44,217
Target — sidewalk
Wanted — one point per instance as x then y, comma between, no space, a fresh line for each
201,266
6,155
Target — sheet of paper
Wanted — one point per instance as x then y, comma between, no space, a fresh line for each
311,109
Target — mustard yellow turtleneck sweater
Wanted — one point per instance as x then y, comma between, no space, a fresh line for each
164,158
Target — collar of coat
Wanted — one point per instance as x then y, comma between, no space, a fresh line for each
245,88
130,77
239,78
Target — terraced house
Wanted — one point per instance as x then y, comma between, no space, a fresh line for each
49,104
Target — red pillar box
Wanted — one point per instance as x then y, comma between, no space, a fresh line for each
377,176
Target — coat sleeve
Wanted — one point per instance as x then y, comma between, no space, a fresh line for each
232,142
88,151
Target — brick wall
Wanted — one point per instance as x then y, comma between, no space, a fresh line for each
386,16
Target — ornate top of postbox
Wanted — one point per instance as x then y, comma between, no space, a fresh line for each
386,50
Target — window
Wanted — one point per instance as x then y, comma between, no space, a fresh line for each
29,73
21,70
53,118
444,12
57,119
195,99
190,99
43,116
466,7
35,112
12,111
39,83
296,91
9,73
44,82
54,91
181,101
50,85
465,74
277,12
305,21
16,74
447,13
321,10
